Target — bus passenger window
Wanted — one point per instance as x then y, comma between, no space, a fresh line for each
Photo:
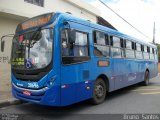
152,53
74,50
116,49
146,52
155,54
122,43
101,44
100,38
139,53
128,45
148,49
133,46
65,45
111,40
81,45
130,49
142,48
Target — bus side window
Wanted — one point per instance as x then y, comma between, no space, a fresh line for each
64,40
116,47
142,48
146,53
139,53
111,40
152,53
130,49
155,54
148,49
81,48
74,51
101,44
122,47
133,46
107,39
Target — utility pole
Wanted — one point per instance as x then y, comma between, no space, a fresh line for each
154,30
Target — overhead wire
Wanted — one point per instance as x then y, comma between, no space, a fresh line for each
124,19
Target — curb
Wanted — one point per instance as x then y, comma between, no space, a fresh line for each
12,101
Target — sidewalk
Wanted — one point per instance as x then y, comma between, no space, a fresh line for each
6,97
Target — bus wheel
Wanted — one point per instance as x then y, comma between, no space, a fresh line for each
99,91
146,78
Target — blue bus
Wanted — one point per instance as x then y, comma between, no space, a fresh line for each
58,59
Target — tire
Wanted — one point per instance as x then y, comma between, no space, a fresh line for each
99,92
146,79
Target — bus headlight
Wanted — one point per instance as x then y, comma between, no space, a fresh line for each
51,82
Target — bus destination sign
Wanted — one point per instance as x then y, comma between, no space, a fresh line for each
37,21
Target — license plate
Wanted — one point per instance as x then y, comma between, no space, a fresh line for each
27,93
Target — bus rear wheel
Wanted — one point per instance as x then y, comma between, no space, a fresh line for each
99,92
146,78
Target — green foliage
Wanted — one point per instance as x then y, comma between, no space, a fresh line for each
158,46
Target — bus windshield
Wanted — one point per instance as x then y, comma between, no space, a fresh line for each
32,50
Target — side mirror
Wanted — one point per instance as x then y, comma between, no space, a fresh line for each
72,35
2,46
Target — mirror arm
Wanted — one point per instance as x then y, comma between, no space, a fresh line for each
2,41
9,35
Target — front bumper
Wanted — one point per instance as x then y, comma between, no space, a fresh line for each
43,96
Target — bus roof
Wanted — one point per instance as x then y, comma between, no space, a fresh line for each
70,17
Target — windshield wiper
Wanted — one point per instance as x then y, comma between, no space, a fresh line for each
37,34
35,37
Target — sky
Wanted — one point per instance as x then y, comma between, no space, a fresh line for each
140,13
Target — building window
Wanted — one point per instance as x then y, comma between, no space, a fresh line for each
36,2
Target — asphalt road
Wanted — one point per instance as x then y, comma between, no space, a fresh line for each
135,99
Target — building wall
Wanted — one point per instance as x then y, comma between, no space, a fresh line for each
7,25
21,8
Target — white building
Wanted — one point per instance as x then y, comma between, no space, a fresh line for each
12,12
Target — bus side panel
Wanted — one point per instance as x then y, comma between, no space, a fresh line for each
140,72
119,72
153,69
76,80
77,85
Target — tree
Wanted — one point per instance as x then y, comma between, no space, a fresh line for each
158,46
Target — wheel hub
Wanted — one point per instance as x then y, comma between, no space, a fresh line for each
99,90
